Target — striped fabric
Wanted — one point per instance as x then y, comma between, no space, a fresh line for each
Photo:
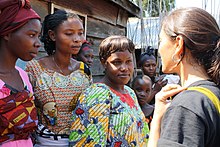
104,117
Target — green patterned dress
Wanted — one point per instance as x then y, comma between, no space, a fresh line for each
105,117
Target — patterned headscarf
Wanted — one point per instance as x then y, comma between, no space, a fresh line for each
14,14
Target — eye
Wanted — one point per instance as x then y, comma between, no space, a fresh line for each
81,33
116,62
31,35
129,61
68,33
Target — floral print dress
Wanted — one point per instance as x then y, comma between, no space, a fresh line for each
56,95
105,117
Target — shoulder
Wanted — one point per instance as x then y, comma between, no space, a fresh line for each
131,91
95,92
31,64
83,67
196,101
98,88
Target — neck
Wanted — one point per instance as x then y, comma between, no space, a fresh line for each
115,86
190,74
7,60
63,61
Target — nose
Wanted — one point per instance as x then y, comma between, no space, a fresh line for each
78,38
37,43
90,60
124,66
142,93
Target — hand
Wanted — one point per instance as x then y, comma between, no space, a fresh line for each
161,98
160,83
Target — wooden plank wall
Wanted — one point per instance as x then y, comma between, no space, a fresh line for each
104,18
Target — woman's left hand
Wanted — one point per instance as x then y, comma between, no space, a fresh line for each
163,98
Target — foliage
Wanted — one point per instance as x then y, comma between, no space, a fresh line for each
153,8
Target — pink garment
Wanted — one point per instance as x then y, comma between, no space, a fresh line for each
18,143
5,92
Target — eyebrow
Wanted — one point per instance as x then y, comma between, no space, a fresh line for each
33,30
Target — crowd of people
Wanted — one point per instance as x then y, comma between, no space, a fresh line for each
54,101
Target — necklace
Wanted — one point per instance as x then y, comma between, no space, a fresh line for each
57,65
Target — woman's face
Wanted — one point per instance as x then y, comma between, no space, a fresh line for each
149,67
69,36
166,51
24,42
119,67
86,56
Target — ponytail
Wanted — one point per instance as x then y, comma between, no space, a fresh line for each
214,71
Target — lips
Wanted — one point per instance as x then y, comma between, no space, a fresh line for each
74,47
33,54
124,75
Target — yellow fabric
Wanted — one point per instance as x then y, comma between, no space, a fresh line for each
82,66
209,94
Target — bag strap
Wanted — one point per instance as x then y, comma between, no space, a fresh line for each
209,94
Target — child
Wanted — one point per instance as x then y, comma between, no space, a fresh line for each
142,88
58,79
108,113
86,54
19,32
148,66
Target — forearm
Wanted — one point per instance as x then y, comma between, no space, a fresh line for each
154,131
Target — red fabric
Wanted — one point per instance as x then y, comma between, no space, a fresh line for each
126,98
14,14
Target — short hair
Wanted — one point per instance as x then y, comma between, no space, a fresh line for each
114,44
143,77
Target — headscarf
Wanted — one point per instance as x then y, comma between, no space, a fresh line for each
85,46
14,14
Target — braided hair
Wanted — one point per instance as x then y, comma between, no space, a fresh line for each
51,22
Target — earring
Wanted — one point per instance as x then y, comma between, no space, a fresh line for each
174,59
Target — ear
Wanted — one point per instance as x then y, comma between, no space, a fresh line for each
103,62
179,46
7,37
52,35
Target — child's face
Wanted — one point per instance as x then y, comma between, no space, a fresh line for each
119,67
86,56
143,90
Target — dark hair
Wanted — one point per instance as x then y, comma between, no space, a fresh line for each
51,22
201,36
148,54
114,44
143,77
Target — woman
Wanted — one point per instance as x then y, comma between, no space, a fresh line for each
148,66
189,46
19,32
86,54
57,78
107,113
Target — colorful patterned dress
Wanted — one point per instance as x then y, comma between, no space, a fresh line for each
56,95
105,117
6,91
